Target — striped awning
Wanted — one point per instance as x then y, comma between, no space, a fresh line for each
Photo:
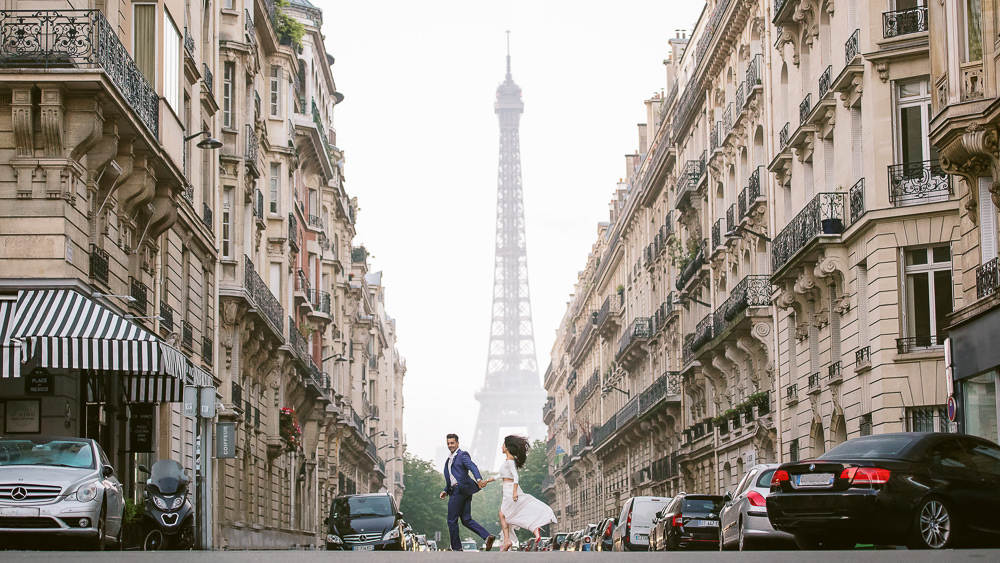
62,329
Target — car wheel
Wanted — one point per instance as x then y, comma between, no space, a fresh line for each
934,528
744,541
808,543
99,542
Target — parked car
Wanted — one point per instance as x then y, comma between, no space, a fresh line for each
421,542
688,522
559,541
572,540
365,523
604,534
58,487
470,545
632,531
924,490
409,538
545,544
432,545
743,522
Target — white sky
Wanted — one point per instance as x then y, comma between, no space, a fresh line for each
421,142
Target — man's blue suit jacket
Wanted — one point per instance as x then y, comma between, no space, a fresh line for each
460,468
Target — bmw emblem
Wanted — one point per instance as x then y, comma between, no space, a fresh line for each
812,467
19,493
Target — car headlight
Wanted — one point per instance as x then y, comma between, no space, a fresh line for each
333,538
160,502
391,534
88,492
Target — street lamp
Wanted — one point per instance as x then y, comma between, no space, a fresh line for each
739,230
208,143
127,298
681,300
609,388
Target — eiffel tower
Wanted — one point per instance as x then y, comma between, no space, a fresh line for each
512,396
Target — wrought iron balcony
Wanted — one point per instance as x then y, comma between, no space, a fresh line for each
904,22
852,48
258,208
293,232
863,356
752,291
580,399
359,254
99,260
206,216
824,81
188,42
302,284
754,187
187,336
805,106
77,39
918,182
256,106
667,385
687,351
753,74
265,301
813,383
320,300
315,221
318,120
834,373
824,215
609,310
691,175
792,394
297,342
857,196
207,349
207,78
640,330
716,234
252,149
727,119
731,216
740,100
571,380
140,295
783,136
692,267
703,332
667,230
912,343
549,408
987,279
715,136
236,395
744,195
166,317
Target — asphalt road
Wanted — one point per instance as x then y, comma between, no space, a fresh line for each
888,556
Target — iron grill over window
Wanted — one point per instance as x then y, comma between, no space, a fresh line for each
904,22
98,265
139,293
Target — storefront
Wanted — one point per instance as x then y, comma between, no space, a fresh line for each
976,368
72,366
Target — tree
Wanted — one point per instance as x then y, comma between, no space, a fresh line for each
535,470
421,507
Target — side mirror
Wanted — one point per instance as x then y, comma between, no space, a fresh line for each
399,514
326,521
728,498
108,471
143,469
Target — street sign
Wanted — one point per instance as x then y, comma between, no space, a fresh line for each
39,382
952,408
140,428
225,440
207,402
190,401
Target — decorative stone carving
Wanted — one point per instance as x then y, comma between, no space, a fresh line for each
24,131
882,67
972,155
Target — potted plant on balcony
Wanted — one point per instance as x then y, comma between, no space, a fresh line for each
289,430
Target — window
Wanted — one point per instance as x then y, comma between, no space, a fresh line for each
228,74
980,406
928,294
988,242
227,4
927,419
913,101
275,89
313,203
227,222
275,186
171,64
973,30
950,455
144,39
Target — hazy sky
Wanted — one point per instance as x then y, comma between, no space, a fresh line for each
421,142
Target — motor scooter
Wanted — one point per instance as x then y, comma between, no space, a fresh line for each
168,518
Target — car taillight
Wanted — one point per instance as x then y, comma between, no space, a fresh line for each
677,521
780,476
756,499
628,522
611,526
865,475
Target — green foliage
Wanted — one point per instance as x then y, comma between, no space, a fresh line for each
289,30
681,254
133,512
421,506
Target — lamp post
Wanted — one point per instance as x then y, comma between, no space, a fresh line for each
209,142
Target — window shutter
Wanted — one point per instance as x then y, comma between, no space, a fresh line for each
856,143
987,222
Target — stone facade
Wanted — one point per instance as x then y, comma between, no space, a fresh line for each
776,273
240,257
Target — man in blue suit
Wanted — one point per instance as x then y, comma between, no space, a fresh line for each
459,488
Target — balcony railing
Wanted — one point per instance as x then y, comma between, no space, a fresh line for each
753,73
666,385
77,39
715,136
187,336
824,215
805,106
320,300
783,136
740,99
263,299
359,254
911,343
752,291
691,174
252,148
166,317
188,41
792,394
140,295
318,120
703,332
753,186
206,216
99,264
717,234
207,78
834,373
824,81
207,348
691,268
814,382
857,196
584,393
852,47
904,22
610,307
987,279
297,342
917,182
640,329
293,232
727,119
731,217
258,208
744,194
315,221
863,355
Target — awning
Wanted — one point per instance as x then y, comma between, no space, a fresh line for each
62,329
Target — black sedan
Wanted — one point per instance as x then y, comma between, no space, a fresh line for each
687,522
923,490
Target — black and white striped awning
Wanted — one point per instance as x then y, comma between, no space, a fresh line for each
62,329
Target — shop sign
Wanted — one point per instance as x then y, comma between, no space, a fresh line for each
140,428
225,440
39,382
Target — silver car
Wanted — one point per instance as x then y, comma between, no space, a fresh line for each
53,486
743,518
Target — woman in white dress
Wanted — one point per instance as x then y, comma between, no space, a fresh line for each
519,510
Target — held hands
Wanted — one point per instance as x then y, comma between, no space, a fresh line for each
483,483
443,494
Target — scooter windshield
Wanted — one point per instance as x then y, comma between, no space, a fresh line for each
168,477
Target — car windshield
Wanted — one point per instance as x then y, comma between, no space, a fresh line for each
876,447
168,477
764,479
702,505
643,510
469,545
360,507
43,451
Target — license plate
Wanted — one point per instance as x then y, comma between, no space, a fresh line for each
707,523
814,480
641,537
19,511
364,548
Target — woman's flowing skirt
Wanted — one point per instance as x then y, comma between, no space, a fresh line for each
528,512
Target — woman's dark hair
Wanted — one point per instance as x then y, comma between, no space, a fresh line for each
518,447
